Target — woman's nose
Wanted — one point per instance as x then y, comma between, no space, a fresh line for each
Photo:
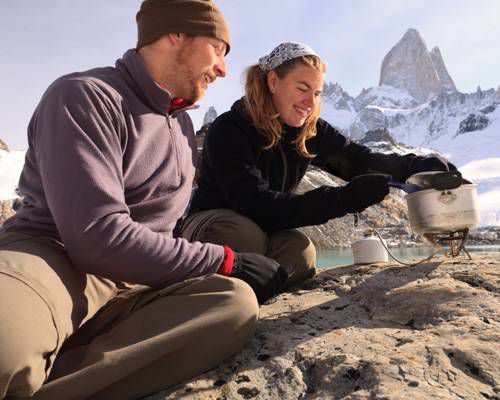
309,100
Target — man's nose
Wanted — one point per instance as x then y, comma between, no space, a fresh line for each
220,68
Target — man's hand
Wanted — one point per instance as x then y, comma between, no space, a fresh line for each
363,191
265,276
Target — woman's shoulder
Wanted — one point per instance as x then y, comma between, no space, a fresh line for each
232,118
234,123
323,126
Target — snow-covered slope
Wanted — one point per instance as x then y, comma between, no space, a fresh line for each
486,173
338,107
478,144
11,164
340,119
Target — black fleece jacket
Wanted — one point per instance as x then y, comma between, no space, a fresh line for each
237,173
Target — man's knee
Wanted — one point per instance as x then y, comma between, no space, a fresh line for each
28,339
21,373
242,308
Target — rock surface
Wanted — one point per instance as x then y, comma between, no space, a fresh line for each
6,210
429,331
3,145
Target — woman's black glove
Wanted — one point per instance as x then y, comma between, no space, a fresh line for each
363,191
264,275
430,163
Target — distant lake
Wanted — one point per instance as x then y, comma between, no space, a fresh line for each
333,258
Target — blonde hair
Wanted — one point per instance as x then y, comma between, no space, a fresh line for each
260,107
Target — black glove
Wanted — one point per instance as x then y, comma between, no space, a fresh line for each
363,191
430,163
264,275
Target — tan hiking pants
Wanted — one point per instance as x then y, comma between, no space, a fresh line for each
65,334
226,227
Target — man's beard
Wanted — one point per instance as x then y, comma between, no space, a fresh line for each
191,85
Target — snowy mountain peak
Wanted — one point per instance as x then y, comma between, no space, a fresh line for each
210,116
498,95
410,67
334,94
443,75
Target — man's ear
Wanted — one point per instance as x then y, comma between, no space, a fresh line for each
175,38
272,81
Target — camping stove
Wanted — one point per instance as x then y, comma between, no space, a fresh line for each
454,239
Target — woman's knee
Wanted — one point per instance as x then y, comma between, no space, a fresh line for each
296,251
306,265
227,227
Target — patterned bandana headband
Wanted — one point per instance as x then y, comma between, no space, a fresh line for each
284,52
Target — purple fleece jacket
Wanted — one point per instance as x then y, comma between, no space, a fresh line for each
109,172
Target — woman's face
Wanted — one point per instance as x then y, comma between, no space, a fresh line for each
297,94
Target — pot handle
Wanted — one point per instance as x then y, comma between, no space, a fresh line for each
407,187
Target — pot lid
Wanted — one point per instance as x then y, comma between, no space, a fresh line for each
439,180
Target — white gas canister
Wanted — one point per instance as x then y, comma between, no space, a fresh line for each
369,250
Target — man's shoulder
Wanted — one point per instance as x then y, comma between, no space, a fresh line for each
101,82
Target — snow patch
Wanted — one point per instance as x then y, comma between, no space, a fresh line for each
11,165
340,119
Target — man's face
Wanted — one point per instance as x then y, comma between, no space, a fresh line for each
201,61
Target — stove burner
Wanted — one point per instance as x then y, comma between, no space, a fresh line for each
455,240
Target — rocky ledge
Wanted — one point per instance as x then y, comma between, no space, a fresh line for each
429,331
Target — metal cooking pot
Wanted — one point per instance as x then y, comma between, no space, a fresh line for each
446,202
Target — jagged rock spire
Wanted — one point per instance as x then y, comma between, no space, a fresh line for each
441,70
409,66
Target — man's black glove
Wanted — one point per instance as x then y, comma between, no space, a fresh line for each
430,163
264,275
363,191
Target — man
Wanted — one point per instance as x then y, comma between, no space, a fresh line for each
97,298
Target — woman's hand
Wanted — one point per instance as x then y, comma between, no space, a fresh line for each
363,191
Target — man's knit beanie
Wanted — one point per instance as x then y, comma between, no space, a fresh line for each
193,17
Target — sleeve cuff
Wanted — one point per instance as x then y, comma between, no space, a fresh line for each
227,264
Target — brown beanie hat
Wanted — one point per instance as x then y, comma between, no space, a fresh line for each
194,17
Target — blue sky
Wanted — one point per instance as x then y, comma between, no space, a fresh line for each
41,40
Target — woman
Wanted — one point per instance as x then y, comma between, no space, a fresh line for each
256,154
